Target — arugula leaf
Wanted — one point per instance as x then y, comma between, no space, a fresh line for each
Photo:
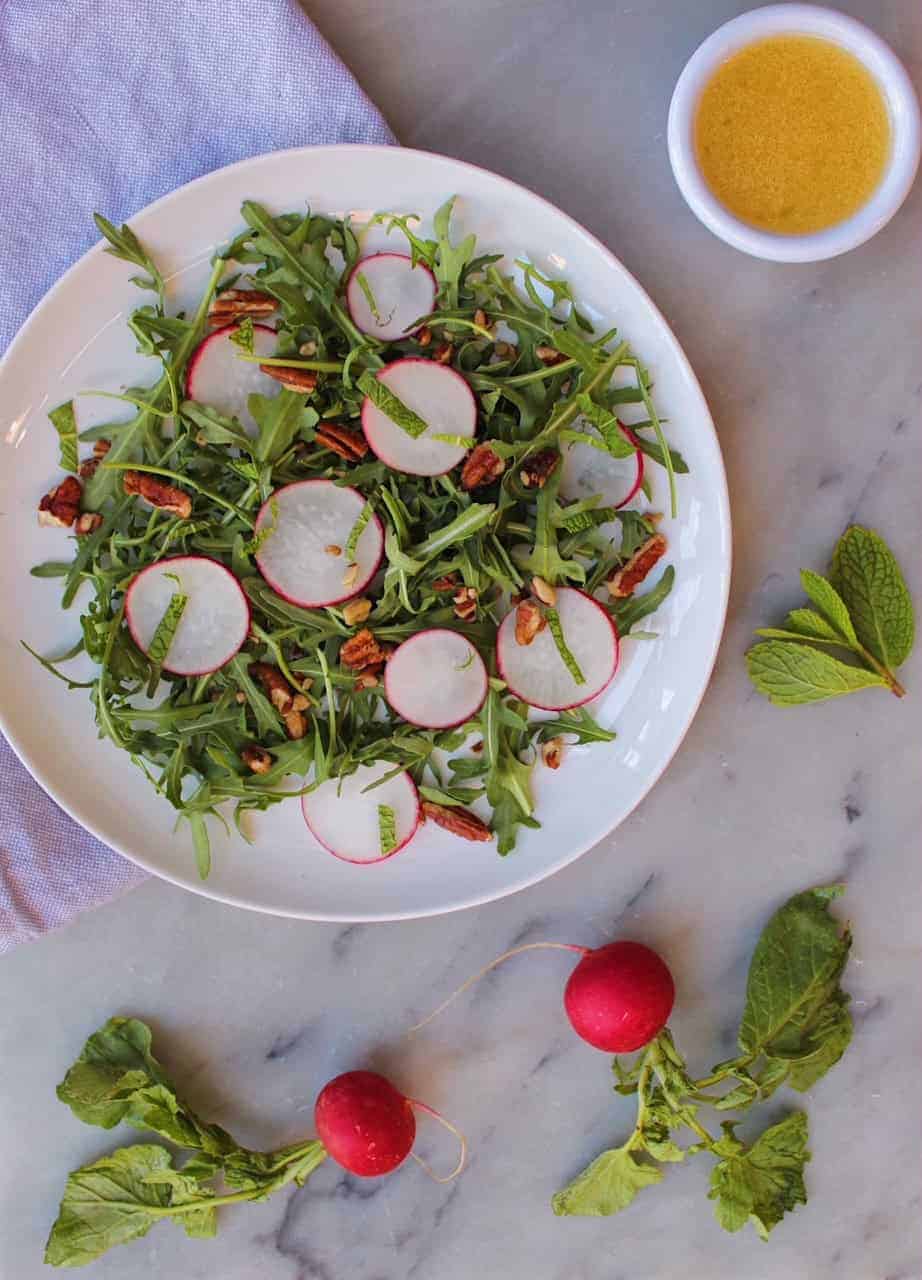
124,244
64,421
215,428
609,428
607,1186
762,1182
627,613
867,577
384,399
280,419
790,673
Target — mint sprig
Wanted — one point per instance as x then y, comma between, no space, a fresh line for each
864,609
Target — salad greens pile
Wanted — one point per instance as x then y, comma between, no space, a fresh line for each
190,743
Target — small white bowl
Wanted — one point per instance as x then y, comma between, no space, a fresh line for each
894,83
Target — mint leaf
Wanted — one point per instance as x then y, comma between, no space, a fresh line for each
566,654
806,623
830,604
387,828
357,530
789,673
64,421
869,580
165,633
384,399
607,1186
242,336
763,1182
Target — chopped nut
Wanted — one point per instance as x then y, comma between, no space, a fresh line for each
481,467
88,468
366,680
538,469
362,650
299,702
465,602
356,611
447,583
278,690
240,697
350,577
480,318
549,355
552,752
295,724
349,445
529,622
505,350
424,336
87,523
308,349
303,380
159,494
61,506
443,353
460,822
477,747
234,304
544,591
630,576
333,550
655,517
101,448
257,759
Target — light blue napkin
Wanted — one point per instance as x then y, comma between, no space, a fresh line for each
107,104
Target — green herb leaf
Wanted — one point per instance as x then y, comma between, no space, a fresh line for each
607,1186
212,427
357,530
627,613
165,633
242,335
64,421
124,244
369,296
384,399
387,828
789,673
763,1182
869,580
566,654
830,604
459,442
280,420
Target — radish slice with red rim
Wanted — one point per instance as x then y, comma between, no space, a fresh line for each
217,378
347,819
588,472
538,674
438,395
436,679
213,624
303,524
387,294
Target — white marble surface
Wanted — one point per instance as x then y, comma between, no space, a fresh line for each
814,377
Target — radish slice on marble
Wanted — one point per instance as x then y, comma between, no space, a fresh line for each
213,624
444,401
303,557
217,378
394,296
436,679
347,820
537,673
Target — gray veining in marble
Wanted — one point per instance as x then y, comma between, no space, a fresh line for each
815,380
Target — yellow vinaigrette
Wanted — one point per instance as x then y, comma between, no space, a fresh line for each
792,134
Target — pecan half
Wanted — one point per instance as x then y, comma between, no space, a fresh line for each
482,466
552,752
630,576
529,622
88,522
356,611
303,380
549,355
350,445
465,602
277,689
544,591
362,650
256,759
154,490
61,506
538,469
460,822
295,724
88,467
234,304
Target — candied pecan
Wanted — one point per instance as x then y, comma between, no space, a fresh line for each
278,690
61,506
362,650
549,355
443,353
88,522
446,583
303,380
233,304
629,577
482,466
154,490
347,444
256,759
465,602
460,822
529,622
544,591
538,469
356,611
552,752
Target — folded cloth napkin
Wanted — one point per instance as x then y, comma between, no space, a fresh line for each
107,104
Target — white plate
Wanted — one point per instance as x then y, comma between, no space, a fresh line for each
77,339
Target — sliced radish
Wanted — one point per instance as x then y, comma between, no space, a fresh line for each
213,625
308,519
587,471
536,672
443,400
346,819
436,679
217,378
401,294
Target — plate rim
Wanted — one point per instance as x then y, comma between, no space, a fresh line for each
722,503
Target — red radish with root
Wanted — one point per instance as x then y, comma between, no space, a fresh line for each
437,394
617,998
369,1128
217,378
386,295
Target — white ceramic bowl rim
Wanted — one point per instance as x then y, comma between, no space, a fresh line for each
894,83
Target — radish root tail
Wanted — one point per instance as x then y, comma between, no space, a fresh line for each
515,951
462,1158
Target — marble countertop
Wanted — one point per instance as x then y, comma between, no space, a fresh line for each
814,379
